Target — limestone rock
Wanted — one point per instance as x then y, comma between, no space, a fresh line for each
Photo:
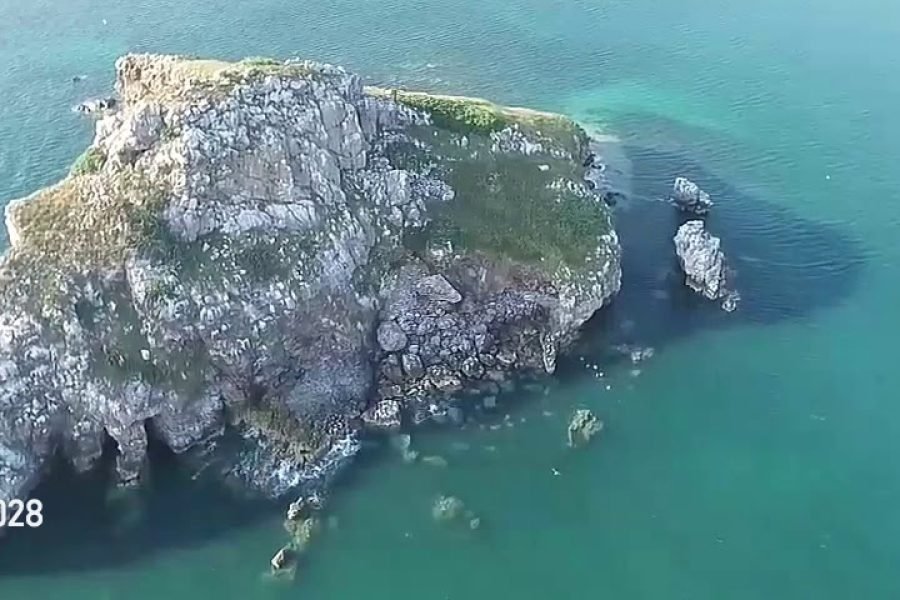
383,416
436,288
447,508
702,260
390,337
412,366
582,427
688,196
282,559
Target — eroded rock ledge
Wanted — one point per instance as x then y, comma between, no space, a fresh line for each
254,260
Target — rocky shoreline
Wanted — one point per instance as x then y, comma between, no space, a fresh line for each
255,262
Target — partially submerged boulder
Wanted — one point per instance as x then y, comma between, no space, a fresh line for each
688,197
448,508
434,460
95,105
402,442
582,427
283,563
302,532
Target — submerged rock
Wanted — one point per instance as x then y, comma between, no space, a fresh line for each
688,196
305,506
282,561
302,532
96,105
635,353
448,508
237,257
435,461
582,427
703,263
403,444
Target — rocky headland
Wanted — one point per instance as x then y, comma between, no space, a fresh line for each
255,262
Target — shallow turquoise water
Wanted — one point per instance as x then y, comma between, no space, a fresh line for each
752,457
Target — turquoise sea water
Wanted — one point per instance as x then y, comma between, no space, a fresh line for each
752,457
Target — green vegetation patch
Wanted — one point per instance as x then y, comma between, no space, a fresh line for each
464,115
261,61
504,208
90,162
461,115
87,223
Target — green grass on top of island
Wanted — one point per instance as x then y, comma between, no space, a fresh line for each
467,115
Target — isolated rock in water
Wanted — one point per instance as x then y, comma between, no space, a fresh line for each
282,559
582,427
702,260
434,460
448,508
265,249
688,196
730,303
635,353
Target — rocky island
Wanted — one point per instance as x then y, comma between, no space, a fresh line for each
255,262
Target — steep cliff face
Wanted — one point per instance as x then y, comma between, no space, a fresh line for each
254,260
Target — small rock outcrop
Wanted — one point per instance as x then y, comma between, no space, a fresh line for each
582,427
688,197
384,415
271,252
704,265
450,509
95,105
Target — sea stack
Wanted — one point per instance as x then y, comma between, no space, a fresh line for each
703,262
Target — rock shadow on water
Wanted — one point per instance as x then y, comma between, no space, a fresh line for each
89,524
787,267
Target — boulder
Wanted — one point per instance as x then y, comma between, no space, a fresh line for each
282,559
436,288
412,366
390,337
688,196
384,415
582,427
448,508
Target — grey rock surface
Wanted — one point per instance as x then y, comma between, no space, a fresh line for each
228,274
688,196
390,336
703,262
